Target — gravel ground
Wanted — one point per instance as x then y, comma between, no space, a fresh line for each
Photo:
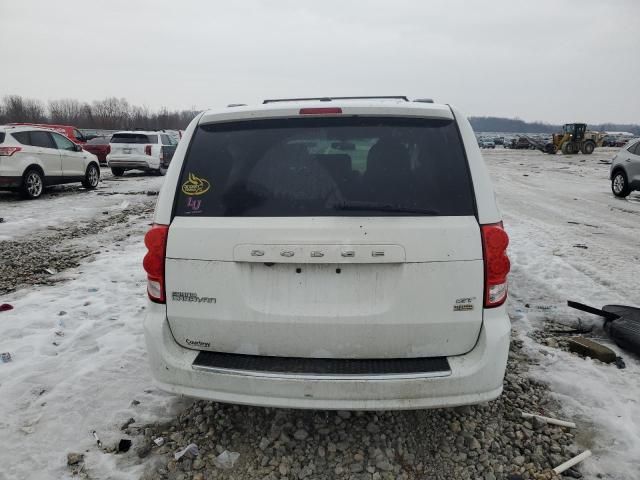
485,442
58,248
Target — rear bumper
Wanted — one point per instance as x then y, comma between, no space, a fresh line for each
10,181
132,161
475,377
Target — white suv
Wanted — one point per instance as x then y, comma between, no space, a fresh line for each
32,158
150,151
333,254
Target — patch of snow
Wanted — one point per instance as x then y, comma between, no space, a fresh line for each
562,202
77,371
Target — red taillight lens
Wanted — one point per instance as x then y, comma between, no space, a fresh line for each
321,111
8,151
153,263
496,264
147,149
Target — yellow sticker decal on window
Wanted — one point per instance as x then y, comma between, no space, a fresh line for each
195,185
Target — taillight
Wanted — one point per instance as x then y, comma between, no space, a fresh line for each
496,264
147,149
8,151
320,111
153,263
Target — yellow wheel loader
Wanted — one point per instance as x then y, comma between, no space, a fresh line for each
574,138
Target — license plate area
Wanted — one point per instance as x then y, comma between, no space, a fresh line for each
320,289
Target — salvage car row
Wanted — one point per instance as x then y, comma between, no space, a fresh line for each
33,157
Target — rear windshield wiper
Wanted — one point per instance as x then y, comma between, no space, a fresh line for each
383,207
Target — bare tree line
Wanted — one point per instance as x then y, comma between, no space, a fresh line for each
110,114
116,113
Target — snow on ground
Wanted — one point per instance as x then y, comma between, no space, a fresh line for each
78,355
550,205
72,203
53,396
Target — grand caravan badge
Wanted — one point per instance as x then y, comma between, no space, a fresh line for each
195,185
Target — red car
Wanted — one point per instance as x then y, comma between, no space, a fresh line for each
67,130
99,146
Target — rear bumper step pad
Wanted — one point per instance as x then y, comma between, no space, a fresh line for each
261,366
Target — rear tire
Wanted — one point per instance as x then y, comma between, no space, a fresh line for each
588,147
161,171
32,184
91,177
117,172
620,184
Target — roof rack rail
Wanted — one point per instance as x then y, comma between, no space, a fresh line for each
423,100
328,99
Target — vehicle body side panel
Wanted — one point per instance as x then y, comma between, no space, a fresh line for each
482,185
164,206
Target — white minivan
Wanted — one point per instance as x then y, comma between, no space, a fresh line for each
331,253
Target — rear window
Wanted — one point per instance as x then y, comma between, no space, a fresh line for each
35,138
22,137
342,166
134,138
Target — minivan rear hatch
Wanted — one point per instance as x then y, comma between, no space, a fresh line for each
328,236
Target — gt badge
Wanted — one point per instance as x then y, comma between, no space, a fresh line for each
464,304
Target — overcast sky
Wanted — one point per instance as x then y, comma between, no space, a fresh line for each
551,60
